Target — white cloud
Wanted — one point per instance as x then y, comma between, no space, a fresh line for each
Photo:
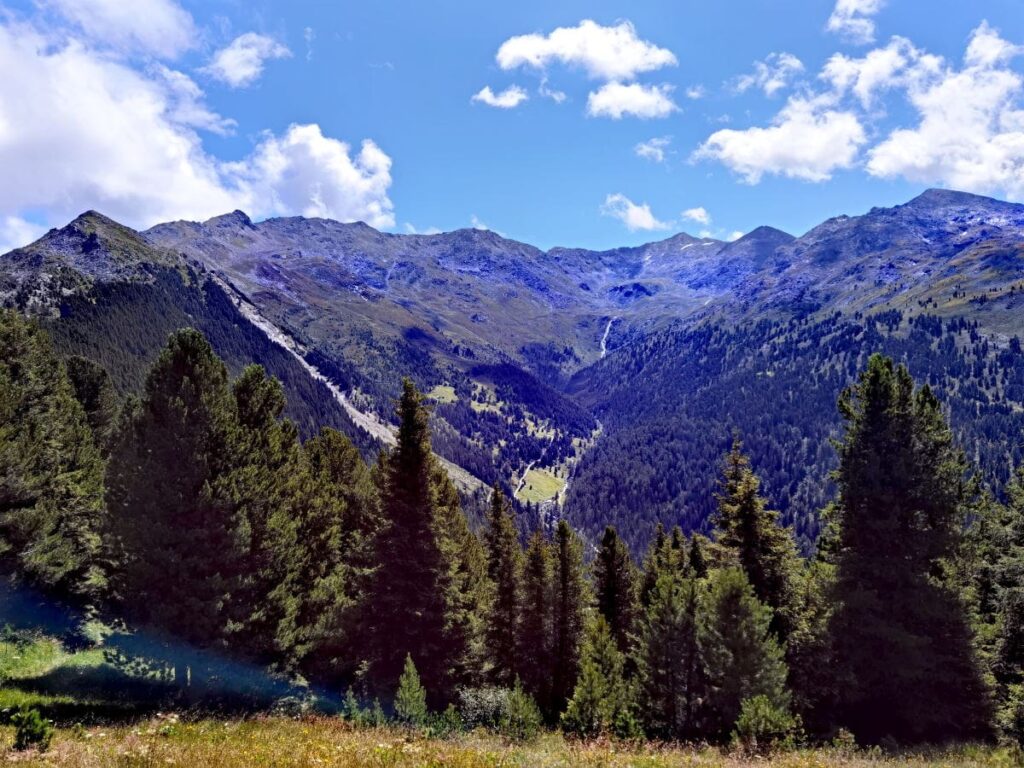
308,173
80,130
695,92
161,28
16,232
654,149
309,35
241,62
809,139
970,132
550,93
771,75
898,65
852,19
476,223
634,216
734,236
604,53
697,216
616,100
510,98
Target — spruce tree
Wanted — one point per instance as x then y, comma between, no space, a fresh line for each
602,699
615,585
537,627
428,566
505,570
668,661
51,472
901,639
174,529
570,600
95,391
740,653
765,550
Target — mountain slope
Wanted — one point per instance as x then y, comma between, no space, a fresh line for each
607,380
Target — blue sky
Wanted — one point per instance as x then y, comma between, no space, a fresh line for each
605,123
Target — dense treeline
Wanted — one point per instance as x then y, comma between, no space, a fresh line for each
194,512
669,404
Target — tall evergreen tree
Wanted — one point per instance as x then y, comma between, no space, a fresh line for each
505,569
537,628
51,473
900,636
418,606
174,528
765,550
615,585
668,661
741,655
570,600
94,389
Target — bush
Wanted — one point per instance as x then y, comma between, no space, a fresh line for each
521,720
483,707
31,730
444,725
762,726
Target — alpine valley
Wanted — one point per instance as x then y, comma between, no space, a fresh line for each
603,387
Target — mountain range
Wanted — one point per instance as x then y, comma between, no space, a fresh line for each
603,386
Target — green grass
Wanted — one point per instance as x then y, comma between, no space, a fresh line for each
540,485
291,743
443,393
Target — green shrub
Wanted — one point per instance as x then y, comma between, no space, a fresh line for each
483,707
521,720
31,730
763,726
444,725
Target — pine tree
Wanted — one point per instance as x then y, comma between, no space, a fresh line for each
537,627
51,472
741,655
614,583
94,389
326,554
657,562
505,570
668,659
900,636
175,531
602,700
429,568
411,696
751,531
570,600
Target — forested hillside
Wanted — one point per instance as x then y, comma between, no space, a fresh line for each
221,562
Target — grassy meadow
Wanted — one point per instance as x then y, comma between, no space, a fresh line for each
107,716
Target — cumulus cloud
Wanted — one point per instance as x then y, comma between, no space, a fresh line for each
696,92
898,65
809,139
308,173
81,130
551,93
510,98
697,216
970,129
241,62
634,216
616,100
654,149
160,28
734,236
771,75
853,20
604,53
